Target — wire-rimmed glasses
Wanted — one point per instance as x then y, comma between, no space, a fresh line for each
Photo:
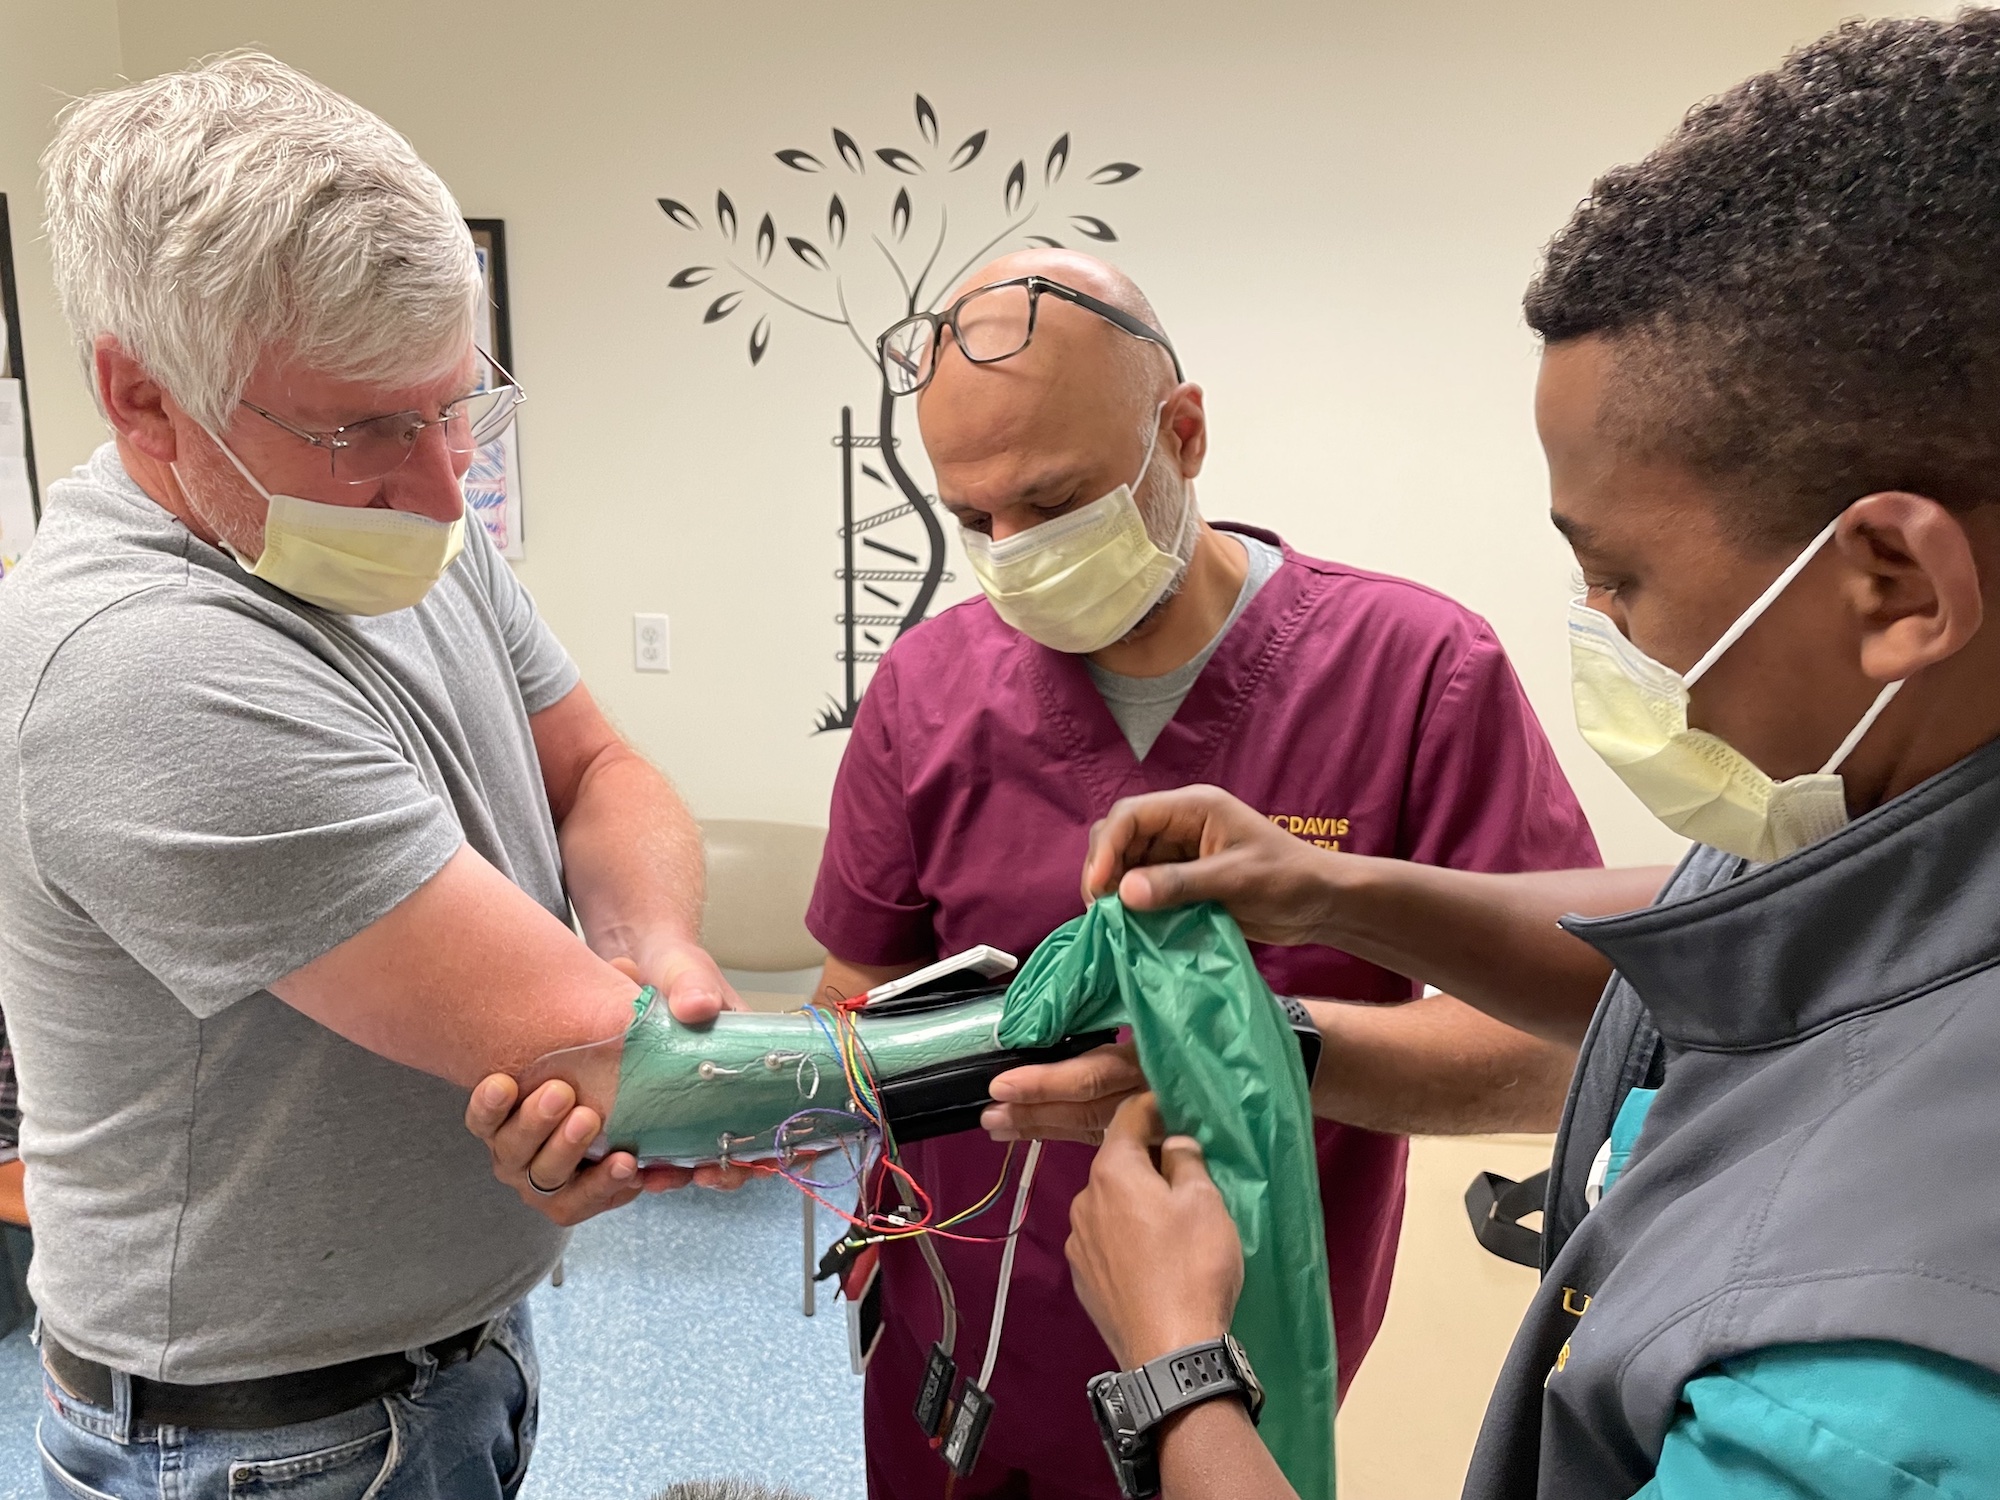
991,323
362,452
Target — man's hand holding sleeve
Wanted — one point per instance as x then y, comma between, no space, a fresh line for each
1153,1252
1198,843
1158,1266
1071,1100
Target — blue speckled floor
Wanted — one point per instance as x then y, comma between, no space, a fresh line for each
674,1350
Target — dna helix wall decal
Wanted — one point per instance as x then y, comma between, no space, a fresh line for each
900,215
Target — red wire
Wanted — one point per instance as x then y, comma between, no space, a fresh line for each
872,1221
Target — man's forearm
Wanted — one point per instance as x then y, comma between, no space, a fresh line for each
1490,940
1212,1452
632,856
468,976
1435,1066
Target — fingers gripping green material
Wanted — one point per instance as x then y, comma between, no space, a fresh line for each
689,1095
1215,1048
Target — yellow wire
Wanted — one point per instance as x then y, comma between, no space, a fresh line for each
848,1042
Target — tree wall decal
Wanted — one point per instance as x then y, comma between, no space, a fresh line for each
878,251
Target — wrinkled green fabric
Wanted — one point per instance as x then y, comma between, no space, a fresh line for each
1217,1050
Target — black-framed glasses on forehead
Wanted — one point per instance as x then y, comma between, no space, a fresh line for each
991,323
362,452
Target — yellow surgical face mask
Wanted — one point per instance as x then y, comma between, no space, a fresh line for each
1083,581
351,559
1633,712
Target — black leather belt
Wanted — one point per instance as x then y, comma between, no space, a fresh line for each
273,1401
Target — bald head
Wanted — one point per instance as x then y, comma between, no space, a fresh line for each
1074,350
1065,420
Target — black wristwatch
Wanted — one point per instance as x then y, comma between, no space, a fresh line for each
1306,1031
1131,1404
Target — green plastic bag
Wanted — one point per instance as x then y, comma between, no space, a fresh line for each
1217,1050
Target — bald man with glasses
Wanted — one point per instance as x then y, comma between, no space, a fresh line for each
1123,644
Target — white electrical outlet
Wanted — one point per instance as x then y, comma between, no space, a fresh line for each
652,644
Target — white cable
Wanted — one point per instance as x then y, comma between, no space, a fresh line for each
1007,1265
947,1301
811,1258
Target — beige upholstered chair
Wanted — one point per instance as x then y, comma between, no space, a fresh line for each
760,877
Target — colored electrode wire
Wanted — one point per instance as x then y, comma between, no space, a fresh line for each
918,1221
919,1217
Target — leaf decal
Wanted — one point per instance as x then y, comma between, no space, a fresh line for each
722,307
680,213
1058,159
1042,239
801,161
1096,228
1114,173
849,152
899,214
927,119
725,214
692,276
760,339
968,152
901,160
767,239
1017,184
806,251
836,221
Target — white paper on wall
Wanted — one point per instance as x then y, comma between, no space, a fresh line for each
17,500
493,483
17,511
493,492
13,429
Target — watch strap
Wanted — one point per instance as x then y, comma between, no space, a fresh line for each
1118,1400
1131,1404
1190,1376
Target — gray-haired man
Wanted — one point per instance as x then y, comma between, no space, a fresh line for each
295,793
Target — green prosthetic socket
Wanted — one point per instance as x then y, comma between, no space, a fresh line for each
759,1087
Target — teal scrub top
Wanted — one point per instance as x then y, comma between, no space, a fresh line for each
1841,1421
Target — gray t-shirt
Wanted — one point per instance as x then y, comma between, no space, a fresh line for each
1143,706
205,784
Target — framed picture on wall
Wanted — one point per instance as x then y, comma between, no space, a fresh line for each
493,483
20,499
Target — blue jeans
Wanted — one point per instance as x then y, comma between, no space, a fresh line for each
462,1432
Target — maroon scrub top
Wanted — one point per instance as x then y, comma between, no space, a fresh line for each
1361,712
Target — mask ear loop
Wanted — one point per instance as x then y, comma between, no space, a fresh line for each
1755,612
1855,735
1763,602
230,454
1182,552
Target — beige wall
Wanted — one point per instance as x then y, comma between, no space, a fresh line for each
1407,1427
49,52
1339,206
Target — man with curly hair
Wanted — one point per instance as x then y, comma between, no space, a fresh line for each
1768,391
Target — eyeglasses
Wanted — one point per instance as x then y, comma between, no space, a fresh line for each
362,452
991,323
